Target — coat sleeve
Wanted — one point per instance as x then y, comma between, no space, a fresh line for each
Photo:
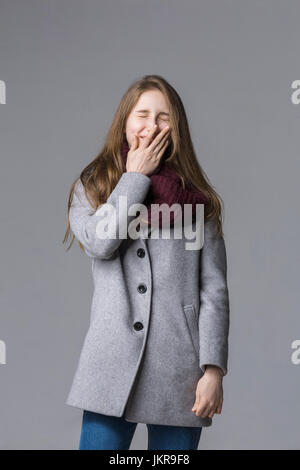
132,184
214,301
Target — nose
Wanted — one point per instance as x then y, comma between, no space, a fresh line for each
150,129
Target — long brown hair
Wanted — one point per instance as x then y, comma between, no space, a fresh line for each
100,177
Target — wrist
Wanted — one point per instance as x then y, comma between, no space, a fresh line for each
212,369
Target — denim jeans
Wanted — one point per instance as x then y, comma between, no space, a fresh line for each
101,432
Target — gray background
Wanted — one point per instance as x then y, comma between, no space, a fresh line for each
66,64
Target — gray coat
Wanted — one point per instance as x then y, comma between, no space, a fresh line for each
159,314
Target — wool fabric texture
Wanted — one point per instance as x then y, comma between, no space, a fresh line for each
166,188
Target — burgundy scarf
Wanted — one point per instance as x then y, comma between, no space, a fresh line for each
166,188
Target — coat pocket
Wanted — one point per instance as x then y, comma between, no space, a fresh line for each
192,323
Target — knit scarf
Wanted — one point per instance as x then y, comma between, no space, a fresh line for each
166,188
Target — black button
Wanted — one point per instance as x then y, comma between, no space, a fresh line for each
138,326
142,288
141,252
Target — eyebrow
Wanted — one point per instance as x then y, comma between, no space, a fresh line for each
147,111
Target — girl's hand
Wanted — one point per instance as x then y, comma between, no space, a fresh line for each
209,394
145,156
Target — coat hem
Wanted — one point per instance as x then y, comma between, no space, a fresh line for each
136,420
92,409
168,423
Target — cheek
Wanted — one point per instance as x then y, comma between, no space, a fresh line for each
133,126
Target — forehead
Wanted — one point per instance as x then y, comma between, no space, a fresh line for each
152,99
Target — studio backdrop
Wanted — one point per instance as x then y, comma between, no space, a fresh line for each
64,67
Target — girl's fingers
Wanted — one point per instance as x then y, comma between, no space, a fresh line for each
134,141
148,139
163,148
159,138
204,411
219,408
161,143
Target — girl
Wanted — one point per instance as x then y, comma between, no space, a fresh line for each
156,349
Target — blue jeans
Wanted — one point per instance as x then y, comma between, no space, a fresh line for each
101,432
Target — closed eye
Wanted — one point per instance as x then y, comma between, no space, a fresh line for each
159,118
